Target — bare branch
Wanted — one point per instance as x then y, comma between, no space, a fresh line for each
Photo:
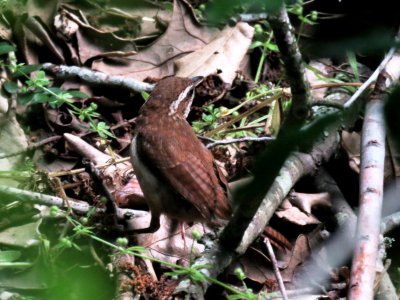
371,189
294,66
97,78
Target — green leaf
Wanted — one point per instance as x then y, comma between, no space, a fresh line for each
276,118
54,101
39,97
5,48
15,265
77,94
256,44
65,96
145,95
23,70
103,130
56,90
272,47
10,255
10,86
353,64
25,98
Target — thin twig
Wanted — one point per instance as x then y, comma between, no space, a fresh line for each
22,195
78,206
245,128
371,79
77,171
249,17
97,78
61,192
239,140
33,146
276,269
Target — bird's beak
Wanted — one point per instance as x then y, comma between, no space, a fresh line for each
197,80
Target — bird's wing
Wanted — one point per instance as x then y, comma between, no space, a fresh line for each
191,173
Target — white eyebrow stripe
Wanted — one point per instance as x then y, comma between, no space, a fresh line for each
175,104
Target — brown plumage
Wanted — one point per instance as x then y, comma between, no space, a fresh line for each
176,172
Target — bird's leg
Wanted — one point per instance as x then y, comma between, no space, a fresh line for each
182,226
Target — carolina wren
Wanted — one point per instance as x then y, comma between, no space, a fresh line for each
176,172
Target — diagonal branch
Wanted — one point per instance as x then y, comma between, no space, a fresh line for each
294,66
296,166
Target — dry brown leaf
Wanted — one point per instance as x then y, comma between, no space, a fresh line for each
53,164
182,36
45,10
305,202
92,43
222,55
139,19
5,31
295,215
301,251
351,142
31,34
12,139
256,266
167,243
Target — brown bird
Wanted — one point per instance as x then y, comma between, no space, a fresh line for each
176,172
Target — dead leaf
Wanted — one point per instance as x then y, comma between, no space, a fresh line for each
167,243
182,36
300,252
221,56
24,236
39,33
53,164
351,142
93,43
257,266
12,140
295,215
44,10
306,202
